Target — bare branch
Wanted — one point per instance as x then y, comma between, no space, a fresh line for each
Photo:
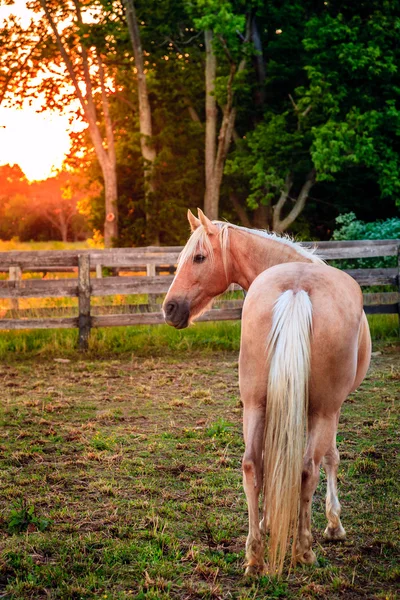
226,49
282,225
296,108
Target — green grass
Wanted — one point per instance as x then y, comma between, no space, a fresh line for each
152,340
121,479
384,327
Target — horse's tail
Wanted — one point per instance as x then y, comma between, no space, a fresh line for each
286,414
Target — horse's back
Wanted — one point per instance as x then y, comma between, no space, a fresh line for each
337,323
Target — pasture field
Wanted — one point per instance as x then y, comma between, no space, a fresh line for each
121,478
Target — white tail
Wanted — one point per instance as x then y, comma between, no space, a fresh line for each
286,413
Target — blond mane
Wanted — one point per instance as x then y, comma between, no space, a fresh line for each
200,241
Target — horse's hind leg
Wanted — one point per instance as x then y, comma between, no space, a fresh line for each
253,427
330,462
321,432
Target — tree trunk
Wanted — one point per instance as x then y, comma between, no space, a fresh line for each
262,217
63,226
111,196
258,59
216,155
109,168
240,210
211,127
145,122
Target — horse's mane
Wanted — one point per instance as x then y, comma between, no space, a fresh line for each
199,241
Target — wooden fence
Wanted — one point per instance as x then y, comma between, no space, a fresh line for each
157,264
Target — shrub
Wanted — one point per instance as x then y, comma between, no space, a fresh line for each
351,228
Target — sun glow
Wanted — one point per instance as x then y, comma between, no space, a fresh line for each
37,141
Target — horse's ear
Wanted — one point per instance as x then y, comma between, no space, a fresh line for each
209,226
194,221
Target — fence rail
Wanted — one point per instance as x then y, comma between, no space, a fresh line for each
149,261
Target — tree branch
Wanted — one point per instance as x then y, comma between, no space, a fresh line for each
277,209
299,203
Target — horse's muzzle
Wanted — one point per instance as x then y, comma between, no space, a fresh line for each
177,313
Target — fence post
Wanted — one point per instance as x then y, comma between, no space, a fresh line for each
99,271
84,300
14,274
152,298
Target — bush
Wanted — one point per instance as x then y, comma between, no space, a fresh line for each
351,228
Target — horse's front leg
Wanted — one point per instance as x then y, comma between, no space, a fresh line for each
253,428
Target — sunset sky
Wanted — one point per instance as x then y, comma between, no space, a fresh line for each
37,142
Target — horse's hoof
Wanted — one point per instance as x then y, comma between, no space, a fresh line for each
255,570
307,558
335,534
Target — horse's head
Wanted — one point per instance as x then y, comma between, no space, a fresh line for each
201,274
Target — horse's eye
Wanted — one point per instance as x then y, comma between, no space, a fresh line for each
199,258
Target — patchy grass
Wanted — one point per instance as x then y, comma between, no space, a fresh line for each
122,479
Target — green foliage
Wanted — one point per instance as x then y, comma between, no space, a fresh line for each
267,155
220,17
352,66
22,516
351,228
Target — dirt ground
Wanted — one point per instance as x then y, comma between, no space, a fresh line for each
122,479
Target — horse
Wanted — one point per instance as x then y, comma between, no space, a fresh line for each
305,346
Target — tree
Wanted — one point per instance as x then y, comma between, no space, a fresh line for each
272,160
226,36
67,56
56,201
42,210
353,59
145,119
330,119
171,54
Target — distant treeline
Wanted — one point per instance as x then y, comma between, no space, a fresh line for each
42,210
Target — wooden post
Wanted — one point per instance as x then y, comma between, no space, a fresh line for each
99,271
84,300
14,274
152,298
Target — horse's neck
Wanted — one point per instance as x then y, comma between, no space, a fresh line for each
251,254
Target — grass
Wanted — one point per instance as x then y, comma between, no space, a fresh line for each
152,340
121,478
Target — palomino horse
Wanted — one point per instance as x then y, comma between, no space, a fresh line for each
305,346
